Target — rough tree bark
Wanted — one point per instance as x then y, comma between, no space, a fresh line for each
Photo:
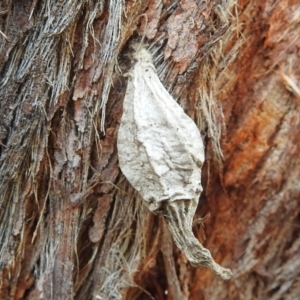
71,225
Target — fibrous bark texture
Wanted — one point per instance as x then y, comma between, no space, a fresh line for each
71,226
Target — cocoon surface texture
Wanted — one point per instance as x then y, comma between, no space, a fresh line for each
161,154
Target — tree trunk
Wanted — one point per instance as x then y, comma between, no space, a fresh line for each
72,227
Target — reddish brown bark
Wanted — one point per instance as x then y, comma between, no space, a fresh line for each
71,225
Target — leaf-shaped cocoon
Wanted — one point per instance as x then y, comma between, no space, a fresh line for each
161,154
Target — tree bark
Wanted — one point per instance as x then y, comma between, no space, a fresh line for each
71,225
